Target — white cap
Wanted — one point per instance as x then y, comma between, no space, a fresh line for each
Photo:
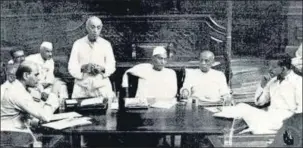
48,45
159,50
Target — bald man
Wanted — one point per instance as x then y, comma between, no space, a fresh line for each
17,108
155,81
91,63
205,84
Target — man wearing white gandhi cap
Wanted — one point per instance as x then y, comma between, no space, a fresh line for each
153,76
47,81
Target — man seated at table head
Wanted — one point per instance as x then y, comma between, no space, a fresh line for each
17,55
10,77
155,80
17,105
91,63
283,91
205,84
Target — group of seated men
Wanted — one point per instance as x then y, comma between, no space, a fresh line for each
32,91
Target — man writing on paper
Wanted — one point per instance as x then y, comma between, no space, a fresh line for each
284,92
17,108
91,63
155,81
205,84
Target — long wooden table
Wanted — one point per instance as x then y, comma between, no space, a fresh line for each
181,119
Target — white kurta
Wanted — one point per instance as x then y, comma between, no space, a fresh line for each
16,108
285,100
4,87
84,52
152,83
211,85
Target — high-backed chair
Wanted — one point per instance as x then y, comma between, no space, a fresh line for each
16,139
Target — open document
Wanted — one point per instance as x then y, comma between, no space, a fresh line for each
91,102
65,123
65,116
229,112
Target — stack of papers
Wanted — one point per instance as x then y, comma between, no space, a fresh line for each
65,116
92,101
65,123
136,103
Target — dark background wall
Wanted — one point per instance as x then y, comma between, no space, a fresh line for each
259,27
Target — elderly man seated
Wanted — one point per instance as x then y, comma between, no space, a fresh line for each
18,108
205,84
155,81
283,91
47,81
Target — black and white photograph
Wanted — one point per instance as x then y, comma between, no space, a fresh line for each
151,73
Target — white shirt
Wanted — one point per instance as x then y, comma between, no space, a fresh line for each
286,95
18,104
46,68
84,52
212,84
297,61
4,87
152,83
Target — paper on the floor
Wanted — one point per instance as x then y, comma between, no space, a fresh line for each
163,104
92,101
229,112
65,115
213,109
65,123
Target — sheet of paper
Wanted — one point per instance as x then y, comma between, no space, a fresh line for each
65,123
163,104
213,109
230,112
65,115
92,101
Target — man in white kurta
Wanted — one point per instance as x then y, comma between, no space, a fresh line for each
17,105
155,81
47,81
205,84
284,92
91,63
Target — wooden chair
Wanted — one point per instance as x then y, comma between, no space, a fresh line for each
16,139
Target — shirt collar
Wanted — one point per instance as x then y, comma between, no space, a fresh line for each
87,40
288,77
18,84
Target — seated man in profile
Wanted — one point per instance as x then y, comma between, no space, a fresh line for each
205,84
18,106
155,81
283,91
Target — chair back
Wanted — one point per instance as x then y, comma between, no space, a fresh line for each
16,139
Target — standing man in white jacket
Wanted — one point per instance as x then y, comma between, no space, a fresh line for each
92,62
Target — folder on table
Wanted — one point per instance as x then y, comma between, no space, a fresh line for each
65,123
